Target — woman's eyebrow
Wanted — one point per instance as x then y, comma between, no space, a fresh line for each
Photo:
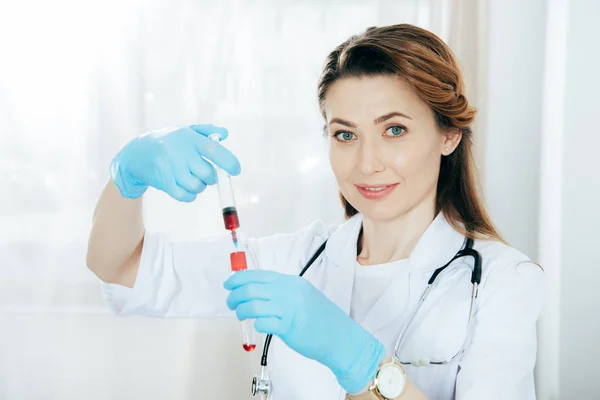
342,122
385,117
376,121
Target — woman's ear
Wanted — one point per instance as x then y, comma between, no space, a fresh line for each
452,138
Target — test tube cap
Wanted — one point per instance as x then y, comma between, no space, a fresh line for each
238,261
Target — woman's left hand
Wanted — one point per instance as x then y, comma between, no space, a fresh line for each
291,308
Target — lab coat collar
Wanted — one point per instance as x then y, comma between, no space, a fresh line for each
341,245
438,244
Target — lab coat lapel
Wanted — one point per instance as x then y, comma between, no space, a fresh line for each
341,253
338,286
438,244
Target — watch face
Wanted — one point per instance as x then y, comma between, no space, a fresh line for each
390,381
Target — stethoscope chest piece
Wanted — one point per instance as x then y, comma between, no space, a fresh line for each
261,385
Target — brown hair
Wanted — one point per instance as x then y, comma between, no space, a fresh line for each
428,65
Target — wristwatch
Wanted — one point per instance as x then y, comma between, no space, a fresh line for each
388,384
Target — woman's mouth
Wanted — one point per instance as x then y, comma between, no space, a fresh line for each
373,192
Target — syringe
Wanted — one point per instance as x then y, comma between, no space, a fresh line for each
238,257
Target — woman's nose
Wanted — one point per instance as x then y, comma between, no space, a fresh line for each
370,159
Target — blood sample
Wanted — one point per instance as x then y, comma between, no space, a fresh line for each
230,218
248,342
249,347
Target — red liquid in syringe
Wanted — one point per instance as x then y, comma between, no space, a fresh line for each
232,222
230,217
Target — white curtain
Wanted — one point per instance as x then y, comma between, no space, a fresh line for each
80,78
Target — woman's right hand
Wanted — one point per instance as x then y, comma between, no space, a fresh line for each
172,160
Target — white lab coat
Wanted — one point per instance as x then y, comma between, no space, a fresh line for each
185,280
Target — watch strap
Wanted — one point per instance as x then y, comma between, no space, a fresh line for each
368,395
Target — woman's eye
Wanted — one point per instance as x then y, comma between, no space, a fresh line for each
396,130
344,136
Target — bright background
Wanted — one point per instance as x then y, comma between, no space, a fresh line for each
80,78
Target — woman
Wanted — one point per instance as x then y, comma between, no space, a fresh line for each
398,125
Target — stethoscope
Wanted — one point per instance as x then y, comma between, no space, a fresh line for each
261,384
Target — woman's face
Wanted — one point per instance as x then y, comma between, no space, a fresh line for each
384,145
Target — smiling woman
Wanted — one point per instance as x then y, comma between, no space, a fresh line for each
399,134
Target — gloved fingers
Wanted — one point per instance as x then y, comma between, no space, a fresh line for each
209,129
245,293
203,170
187,181
269,325
245,277
218,154
181,194
258,309
173,189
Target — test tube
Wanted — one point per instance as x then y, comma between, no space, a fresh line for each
238,257
238,263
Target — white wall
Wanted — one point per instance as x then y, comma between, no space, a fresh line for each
95,356
512,127
551,193
510,149
569,202
580,267
540,178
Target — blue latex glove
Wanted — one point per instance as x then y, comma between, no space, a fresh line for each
171,160
308,322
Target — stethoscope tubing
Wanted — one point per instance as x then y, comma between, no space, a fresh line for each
467,251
